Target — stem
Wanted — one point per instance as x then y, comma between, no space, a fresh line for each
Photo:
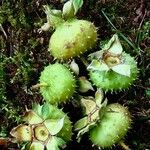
39,85
2,29
124,146
54,17
84,61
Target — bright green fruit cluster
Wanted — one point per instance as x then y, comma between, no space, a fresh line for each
48,127
45,127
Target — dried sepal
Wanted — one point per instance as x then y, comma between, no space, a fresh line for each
22,133
74,66
93,107
89,105
99,95
31,117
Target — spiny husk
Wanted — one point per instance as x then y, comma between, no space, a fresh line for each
112,127
110,80
72,38
60,83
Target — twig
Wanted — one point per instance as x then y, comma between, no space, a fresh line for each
124,146
142,20
2,29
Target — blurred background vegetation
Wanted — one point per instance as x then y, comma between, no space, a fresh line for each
23,55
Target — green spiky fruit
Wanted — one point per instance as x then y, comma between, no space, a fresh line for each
57,83
111,68
46,127
111,80
113,126
72,38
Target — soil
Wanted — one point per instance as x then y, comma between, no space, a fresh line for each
24,54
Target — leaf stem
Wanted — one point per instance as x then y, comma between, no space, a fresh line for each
84,61
39,85
124,146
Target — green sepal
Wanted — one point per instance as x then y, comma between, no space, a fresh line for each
37,108
122,69
77,5
54,18
45,111
99,95
36,146
84,85
54,143
96,55
98,66
68,10
85,130
22,133
71,7
114,46
54,125
80,124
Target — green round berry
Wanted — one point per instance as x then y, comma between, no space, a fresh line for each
111,80
113,126
58,83
72,38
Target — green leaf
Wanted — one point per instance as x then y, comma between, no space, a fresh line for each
77,5
97,66
122,69
81,123
54,126
114,46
